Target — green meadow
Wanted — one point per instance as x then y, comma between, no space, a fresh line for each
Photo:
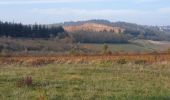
102,81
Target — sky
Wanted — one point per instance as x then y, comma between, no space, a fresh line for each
144,12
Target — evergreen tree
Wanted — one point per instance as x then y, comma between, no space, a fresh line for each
29,31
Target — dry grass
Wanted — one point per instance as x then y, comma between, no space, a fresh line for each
99,77
87,59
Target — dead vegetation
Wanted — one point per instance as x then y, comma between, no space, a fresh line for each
79,59
26,81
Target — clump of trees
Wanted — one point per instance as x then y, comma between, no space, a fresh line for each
168,50
106,50
30,31
98,37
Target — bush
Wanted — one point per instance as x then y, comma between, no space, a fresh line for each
168,50
27,81
122,61
73,52
106,50
140,62
106,63
109,52
39,62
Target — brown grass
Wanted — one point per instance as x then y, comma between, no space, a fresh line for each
41,60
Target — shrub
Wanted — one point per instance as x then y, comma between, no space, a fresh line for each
109,52
106,50
106,63
122,61
27,81
41,98
73,52
168,50
39,62
140,62
154,53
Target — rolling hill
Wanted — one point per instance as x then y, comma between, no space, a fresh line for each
94,27
132,31
90,31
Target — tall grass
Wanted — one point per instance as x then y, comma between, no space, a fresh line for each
102,81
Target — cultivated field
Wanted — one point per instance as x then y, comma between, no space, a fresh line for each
100,77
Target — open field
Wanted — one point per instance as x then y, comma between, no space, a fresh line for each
52,46
116,77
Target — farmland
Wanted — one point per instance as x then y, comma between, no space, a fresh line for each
52,46
84,50
86,77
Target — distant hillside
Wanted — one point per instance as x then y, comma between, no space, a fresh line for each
94,27
132,31
164,28
105,22
91,31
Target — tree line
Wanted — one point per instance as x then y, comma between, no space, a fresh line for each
98,37
8,29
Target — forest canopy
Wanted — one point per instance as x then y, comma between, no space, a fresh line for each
8,29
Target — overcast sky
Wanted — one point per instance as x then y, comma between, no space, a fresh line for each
146,12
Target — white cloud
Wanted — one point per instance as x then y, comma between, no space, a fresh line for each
53,15
90,12
164,10
159,16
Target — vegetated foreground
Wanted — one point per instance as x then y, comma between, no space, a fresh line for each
116,77
85,59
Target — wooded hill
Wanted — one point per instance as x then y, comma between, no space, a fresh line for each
92,31
132,31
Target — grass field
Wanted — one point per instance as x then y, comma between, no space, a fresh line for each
43,46
105,80
132,46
